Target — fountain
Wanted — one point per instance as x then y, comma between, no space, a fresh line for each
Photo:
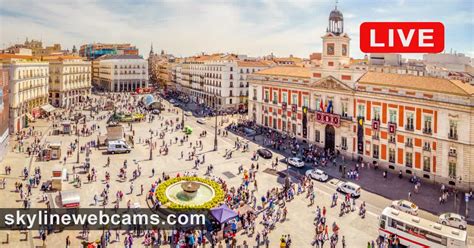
190,193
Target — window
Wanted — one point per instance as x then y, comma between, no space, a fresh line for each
285,97
274,123
392,113
360,110
426,164
231,69
453,129
283,126
266,120
344,109
452,152
344,143
294,99
275,97
409,142
254,94
305,101
267,96
426,146
391,155
375,151
376,111
409,159
317,135
427,124
318,103
410,120
230,93
452,169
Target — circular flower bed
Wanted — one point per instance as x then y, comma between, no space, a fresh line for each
219,194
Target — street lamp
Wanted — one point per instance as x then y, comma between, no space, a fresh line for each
182,119
151,144
77,134
215,132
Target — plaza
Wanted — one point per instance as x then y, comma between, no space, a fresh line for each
299,222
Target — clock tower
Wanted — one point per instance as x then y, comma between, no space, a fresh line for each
335,42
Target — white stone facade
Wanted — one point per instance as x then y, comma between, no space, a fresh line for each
28,89
69,81
119,73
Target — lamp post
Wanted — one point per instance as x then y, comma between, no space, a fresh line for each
215,132
151,144
77,134
182,119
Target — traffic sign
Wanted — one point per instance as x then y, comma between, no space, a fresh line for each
466,197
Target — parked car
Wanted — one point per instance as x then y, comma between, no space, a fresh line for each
453,220
201,121
264,153
317,174
405,206
349,188
295,161
187,113
155,112
118,147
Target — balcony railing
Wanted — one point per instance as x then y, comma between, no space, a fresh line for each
409,144
452,154
427,148
453,136
409,128
265,100
375,137
427,131
274,102
392,140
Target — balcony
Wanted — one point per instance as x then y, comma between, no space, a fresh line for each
274,102
453,136
345,116
409,128
375,137
266,100
254,98
392,140
427,131
409,144
426,148
452,154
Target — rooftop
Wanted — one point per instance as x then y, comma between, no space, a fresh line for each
246,63
432,84
117,56
288,71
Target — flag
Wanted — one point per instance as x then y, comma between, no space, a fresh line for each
328,110
321,107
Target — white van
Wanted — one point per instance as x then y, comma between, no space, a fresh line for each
349,188
118,147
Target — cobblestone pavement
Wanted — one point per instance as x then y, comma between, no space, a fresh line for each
300,217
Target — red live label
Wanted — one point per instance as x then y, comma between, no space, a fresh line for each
402,37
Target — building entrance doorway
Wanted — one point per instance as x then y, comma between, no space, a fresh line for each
330,137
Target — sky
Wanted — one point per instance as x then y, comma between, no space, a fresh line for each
251,27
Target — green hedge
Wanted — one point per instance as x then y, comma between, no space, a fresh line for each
218,198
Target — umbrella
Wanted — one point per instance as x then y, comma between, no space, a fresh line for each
223,213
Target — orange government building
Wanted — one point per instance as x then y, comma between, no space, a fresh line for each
422,126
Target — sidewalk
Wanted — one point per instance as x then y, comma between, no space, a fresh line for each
392,187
